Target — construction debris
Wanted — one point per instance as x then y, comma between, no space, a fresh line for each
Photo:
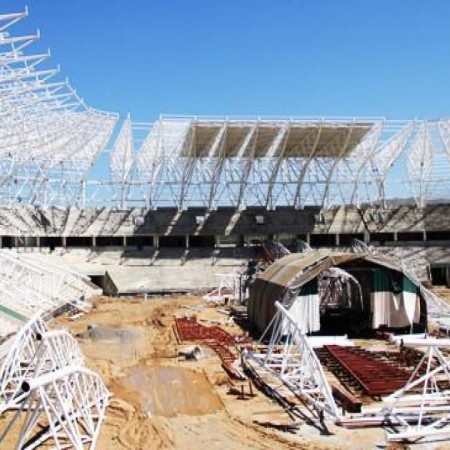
193,352
188,329
44,380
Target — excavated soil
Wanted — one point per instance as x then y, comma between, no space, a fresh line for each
160,400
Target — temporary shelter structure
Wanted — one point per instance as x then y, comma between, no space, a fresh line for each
338,292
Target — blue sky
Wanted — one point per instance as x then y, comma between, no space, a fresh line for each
251,57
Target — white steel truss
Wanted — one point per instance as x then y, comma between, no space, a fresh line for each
211,162
35,351
50,139
71,401
19,362
30,285
121,163
291,358
51,397
422,407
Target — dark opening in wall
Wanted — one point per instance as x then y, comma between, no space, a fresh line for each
7,241
381,237
410,236
109,241
322,240
98,280
201,241
438,277
78,241
438,235
346,239
172,241
51,241
140,241
26,241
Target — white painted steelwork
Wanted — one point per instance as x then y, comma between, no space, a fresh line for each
71,401
30,285
49,137
421,409
291,358
121,163
50,397
50,140
35,351
20,361
229,290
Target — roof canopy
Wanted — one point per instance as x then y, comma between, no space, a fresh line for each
262,138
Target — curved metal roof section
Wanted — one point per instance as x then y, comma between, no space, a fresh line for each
283,279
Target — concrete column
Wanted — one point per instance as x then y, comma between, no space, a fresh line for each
64,241
366,236
156,242
94,241
424,235
308,238
337,239
216,241
395,236
1,242
187,241
15,241
38,241
124,241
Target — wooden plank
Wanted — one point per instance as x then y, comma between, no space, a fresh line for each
348,401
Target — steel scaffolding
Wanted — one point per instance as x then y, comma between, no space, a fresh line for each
55,151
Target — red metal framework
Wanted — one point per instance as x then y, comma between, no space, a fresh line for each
188,329
374,376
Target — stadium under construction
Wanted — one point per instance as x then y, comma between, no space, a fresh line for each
93,204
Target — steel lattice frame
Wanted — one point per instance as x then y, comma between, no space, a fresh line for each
422,407
270,167
13,370
29,285
52,397
50,140
36,351
291,358
71,402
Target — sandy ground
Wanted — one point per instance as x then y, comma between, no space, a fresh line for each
160,400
